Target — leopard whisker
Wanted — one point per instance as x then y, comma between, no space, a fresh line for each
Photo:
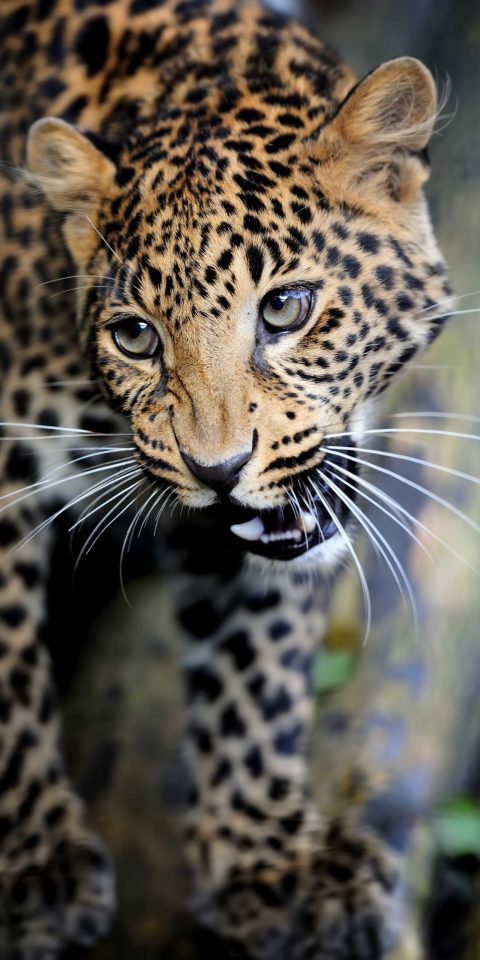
76,276
152,508
424,463
381,545
61,430
97,231
389,513
92,286
346,539
171,494
416,431
127,542
293,497
93,508
434,306
67,506
119,497
386,498
436,414
411,483
453,313
29,491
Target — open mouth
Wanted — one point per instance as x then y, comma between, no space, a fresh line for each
291,530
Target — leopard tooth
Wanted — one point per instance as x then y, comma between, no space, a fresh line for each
308,521
250,530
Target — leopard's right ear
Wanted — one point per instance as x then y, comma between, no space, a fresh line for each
72,172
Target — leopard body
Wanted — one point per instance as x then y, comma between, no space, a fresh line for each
224,152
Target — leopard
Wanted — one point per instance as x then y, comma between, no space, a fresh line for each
216,254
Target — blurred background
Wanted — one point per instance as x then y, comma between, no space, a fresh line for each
123,706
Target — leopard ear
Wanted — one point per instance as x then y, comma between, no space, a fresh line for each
71,171
395,104
385,123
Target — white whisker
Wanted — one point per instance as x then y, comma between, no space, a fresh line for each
93,508
76,276
389,513
440,414
411,483
67,506
41,485
416,431
120,497
91,286
71,430
424,463
363,580
97,231
386,498
454,297
381,544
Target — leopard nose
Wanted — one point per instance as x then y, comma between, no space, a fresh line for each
221,477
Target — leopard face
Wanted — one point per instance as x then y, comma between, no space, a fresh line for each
260,274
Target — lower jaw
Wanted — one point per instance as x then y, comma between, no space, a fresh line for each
280,550
298,542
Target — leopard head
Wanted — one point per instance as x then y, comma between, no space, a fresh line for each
263,274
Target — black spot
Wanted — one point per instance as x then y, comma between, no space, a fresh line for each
274,706
239,803
279,788
319,240
21,463
52,87
13,615
368,242
231,723
92,44
250,115
221,772
255,262
5,357
201,680
20,684
48,418
201,620
28,803
282,142
287,741
263,601
279,629
21,402
11,774
8,533
254,762
351,266
385,275
404,302
54,816
240,649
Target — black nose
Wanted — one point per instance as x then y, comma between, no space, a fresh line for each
221,477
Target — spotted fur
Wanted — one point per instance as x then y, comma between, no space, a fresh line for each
185,159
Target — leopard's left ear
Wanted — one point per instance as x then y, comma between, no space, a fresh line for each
71,171
384,125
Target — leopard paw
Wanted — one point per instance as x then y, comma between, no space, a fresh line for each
70,900
345,903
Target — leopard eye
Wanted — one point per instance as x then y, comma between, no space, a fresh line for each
136,338
286,309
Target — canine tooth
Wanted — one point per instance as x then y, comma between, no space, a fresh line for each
297,534
308,521
250,530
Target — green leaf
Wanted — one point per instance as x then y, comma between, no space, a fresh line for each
458,827
332,669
